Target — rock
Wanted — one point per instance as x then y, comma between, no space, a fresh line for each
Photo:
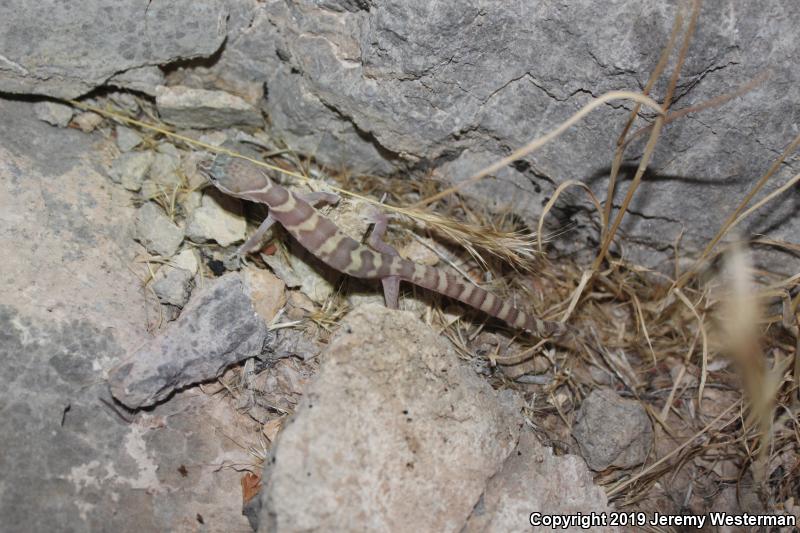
125,102
169,149
174,287
396,433
612,431
301,269
291,342
185,260
127,139
54,113
42,56
371,86
192,201
269,292
156,232
197,108
219,327
219,218
164,171
130,169
87,121
533,479
145,80
214,138
151,190
71,305
173,281
300,306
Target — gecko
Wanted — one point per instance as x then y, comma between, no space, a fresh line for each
321,237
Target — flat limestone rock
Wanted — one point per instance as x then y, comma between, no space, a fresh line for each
198,108
125,41
219,327
396,434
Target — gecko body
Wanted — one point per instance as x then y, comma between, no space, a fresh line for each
321,237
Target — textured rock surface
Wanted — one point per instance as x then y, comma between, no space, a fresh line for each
612,431
156,231
131,169
218,328
455,85
127,139
395,434
196,108
174,287
54,113
451,86
219,218
70,305
535,480
65,49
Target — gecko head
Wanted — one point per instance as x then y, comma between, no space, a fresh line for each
234,176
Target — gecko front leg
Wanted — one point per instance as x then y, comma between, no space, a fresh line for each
316,198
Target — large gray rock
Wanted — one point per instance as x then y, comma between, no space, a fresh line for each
535,480
381,86
65,49
218,328
453,86
70,305
396,434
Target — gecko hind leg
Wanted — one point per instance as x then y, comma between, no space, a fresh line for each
391,291
391,284
314,198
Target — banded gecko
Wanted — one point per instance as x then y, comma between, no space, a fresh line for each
321,237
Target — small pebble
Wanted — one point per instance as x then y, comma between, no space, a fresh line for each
130,169
87,121
53,113
612,431
127,139
219,218
174,287
156,232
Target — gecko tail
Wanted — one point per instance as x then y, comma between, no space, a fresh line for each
435,280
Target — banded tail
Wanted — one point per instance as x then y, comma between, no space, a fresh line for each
435,280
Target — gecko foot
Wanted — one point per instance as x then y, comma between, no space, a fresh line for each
375,240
